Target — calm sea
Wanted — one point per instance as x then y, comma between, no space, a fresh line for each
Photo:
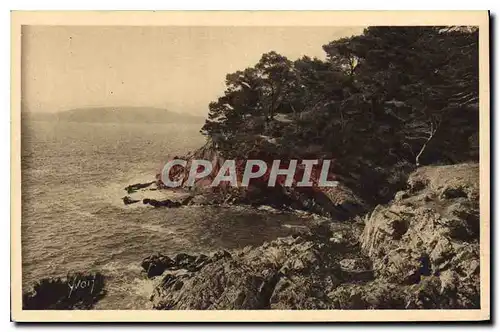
73,218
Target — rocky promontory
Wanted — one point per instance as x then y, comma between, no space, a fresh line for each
340,202
421,250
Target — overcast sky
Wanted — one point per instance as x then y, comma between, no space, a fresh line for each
179,68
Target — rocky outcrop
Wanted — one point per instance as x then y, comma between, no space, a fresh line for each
155,265
165,203
419,251
137,186
429,235
291,272
76,291
127,200
340,202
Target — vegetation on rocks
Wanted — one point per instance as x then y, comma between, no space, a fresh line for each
380,105
396,108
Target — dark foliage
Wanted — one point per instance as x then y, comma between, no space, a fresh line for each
381,104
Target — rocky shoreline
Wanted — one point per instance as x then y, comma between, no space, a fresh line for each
419,251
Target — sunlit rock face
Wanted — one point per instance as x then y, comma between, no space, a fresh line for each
420,251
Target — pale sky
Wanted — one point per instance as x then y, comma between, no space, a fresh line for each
178,68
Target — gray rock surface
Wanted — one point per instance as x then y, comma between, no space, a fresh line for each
419,251
431,237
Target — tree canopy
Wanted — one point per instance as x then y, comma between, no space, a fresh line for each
389,96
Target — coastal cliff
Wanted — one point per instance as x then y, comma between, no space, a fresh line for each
338,202
396,110
393,111
421,250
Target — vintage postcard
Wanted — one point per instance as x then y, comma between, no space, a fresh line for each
250,166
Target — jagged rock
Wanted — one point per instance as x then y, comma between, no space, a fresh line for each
187,200
400,195
372,295
421,251
76,291
338,202
163,203
220,255
349,264
155,265
127,200
134,187
274,275
434,237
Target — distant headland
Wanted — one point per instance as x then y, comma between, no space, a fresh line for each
115,115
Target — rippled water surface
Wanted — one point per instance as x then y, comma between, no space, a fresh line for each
73,218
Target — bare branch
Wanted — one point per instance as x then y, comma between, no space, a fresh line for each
434,124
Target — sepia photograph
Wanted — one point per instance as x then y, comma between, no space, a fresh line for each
274,166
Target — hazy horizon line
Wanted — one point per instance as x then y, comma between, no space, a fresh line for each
27,110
